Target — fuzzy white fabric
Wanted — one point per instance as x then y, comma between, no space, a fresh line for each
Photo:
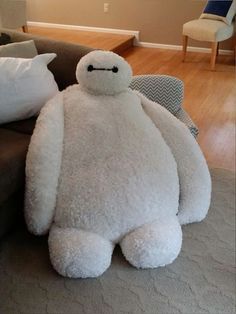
194,176
118,180
153,245
103,61
25,86
78,253
43,164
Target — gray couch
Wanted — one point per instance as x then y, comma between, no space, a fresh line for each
15,136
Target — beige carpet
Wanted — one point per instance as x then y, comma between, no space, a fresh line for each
200,281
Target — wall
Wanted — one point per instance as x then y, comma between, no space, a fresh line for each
159,21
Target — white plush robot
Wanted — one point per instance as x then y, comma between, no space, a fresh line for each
107,166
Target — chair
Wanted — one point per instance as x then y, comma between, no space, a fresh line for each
211,28
13,14
167,91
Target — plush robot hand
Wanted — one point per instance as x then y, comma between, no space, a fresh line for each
41,184
194,176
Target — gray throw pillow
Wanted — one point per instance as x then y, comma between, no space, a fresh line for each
23,49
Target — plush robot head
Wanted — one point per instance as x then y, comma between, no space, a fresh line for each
103,72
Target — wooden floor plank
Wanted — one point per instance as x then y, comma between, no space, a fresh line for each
210,96
103,41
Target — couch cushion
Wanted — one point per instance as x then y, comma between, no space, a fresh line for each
4,39
12,161
11,212
23,126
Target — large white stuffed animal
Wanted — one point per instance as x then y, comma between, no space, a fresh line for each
107,166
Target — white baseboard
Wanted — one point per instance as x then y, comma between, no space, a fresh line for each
179,47
87,29
156,45
125,32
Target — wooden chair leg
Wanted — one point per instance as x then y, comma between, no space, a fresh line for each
234,50
235,55
25,28
214,49
185,43
218,48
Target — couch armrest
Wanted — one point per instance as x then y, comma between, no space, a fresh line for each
13,149
68,55
185,118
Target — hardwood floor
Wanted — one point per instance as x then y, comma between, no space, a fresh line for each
105,41
210,96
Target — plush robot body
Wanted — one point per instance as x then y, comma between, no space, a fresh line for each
107,166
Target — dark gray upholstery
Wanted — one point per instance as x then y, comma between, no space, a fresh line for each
13,150
15,136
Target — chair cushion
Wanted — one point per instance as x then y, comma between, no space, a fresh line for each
185,118
12,162
163,89
208,30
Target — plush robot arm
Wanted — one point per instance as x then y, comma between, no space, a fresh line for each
194,177
43,166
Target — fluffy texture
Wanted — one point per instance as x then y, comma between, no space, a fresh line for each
79,254
92,65
119,178
118,171
25,86
154,244
43,164
194,176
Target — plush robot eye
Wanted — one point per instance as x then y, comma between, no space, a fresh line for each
90,68
115,69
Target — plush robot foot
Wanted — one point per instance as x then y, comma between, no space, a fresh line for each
152,245
79,254
188,217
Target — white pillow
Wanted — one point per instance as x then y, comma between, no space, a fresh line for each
25,86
